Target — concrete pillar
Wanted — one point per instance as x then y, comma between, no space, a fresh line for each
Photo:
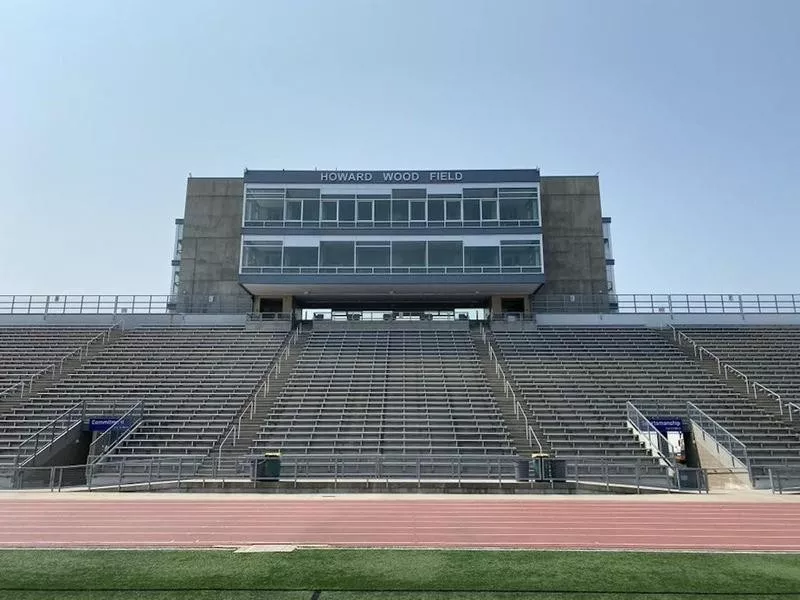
527,300
288,304
497,305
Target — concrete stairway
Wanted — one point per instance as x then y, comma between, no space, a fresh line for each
240,448
515,426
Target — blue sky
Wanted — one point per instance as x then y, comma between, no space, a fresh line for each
689,110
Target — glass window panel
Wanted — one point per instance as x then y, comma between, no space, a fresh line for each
365,210
399,210
520,256
409,193
489,210
382,210
302,193
481,256
417,210
445,254
297,256
372,256
435,210
262,256
472,210
294,210
515,209
265,210
336,254
310,211
480,192
453,208
328,210
408,254
347,210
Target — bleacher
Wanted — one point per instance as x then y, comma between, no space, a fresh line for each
577,380
770,355
389,392
192,382
26,351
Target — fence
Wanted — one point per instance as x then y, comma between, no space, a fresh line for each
297,470
119,305
669,303
47,435
655,440
117,431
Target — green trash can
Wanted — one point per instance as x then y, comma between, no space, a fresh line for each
269,467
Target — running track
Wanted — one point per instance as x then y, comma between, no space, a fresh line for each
444,523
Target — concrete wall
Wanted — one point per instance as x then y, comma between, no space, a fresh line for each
572,236
212,239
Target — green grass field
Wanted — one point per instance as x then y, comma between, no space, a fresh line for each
392,574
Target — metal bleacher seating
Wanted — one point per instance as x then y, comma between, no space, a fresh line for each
191,381
388,392
26,351
769,355
577,380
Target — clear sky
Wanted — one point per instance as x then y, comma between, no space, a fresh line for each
689,110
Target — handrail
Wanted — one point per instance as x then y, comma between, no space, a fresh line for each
51,428
705,420
530,434
791,406
640,419
222,444
29,379
94,455
724,368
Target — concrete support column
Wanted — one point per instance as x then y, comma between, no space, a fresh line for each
527,300
288,304
497,305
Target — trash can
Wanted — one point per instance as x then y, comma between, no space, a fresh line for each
558,469
268,468
523,469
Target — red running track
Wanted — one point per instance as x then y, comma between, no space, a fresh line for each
462,523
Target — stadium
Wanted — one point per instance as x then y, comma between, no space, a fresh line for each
441,354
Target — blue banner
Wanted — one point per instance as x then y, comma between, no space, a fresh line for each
665,424
105,423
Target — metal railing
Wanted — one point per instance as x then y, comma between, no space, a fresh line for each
455,224
57,367
508,389
121,304
721,437
724,368
117,432
340,469
655,440
669,303
47,435
455,270
234,433
793,410
784,480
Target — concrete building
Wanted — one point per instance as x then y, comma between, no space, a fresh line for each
284,241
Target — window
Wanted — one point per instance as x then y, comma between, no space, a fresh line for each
302,193
294,210
262,256
435,210
336,254
270,209
383,210
520,254
372,254
418,210
297,256
515,209
445,254
409,193
472,209
489,210
408,254
329,210
347,210
481,256
480,192
399,211
453,210
310,211
365,210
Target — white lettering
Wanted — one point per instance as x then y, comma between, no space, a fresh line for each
441,176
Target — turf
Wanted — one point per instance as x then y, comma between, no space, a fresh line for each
393,575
